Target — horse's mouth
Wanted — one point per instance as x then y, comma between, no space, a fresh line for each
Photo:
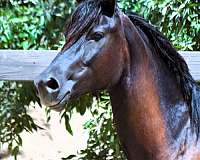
61,104
57,108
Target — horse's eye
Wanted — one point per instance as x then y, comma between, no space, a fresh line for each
97,36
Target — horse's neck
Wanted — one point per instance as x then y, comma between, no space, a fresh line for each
147,105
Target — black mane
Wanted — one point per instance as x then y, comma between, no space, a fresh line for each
176,64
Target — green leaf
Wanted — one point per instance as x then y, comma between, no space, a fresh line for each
69,157
67,125
15,151
25,44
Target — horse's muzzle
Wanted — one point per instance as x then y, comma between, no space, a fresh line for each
48,90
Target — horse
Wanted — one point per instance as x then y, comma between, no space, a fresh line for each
155,101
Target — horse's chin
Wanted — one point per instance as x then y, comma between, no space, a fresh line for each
58,107
61,104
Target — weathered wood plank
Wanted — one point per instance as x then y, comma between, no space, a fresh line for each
25,65
193,60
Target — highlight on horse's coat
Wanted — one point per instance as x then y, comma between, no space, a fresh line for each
154,98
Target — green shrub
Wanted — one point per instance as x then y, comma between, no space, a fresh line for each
30,24
178,19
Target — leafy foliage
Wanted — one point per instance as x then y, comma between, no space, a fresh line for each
33,24
103,141
30,24
178,20
13,116
80,106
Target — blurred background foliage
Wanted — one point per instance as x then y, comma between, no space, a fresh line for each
39,24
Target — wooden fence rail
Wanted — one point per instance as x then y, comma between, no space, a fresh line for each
25,65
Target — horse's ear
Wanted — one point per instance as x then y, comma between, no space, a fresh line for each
108,7
79,1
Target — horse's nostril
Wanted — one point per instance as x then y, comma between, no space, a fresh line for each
52,83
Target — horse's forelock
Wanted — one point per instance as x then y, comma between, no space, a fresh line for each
85,15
